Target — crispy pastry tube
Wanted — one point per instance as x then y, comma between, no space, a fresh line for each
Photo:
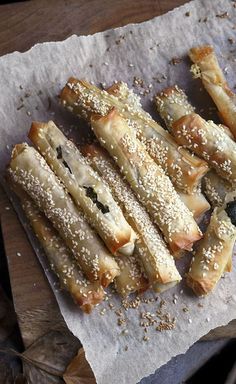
172,104
207,68
152,187
127,96
84,293
212,255
131,278
196,203
185,171
175,107
216,188
85,186
29,170
209,141
151,250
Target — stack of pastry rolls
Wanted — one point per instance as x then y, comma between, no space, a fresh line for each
215,144
206,67
62,217
151,249
149,175
85,99
122,209
84,228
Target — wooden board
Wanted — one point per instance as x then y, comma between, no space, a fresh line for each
21,26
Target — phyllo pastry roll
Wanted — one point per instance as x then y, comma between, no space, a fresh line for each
85,186
131,278
207,68
29,170
214,254
153,254
196,203
216,188
172,104
71,278
150,247
152,187
84,99
209,141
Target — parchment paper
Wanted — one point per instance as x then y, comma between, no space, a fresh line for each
30,83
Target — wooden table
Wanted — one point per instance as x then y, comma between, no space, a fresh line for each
21,26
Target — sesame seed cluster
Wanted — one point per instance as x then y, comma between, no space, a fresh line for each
85,293
85,99
210,142
85,186
155,257
118,216
149,182
172,103
29,170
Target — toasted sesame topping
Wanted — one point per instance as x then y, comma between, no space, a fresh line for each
31,172
87,99
151,248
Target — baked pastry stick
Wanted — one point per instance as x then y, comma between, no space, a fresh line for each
84,293
172,104
196,203
85,186
153,254
131,278
152,187
214,254
178,106
206,67
185,171
209,141
216,188
30,171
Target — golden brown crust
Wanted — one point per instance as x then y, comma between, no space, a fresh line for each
197,54
200,287
114,89
83,99
209,141
111,226
172,103
213,255
32,173
196,203
147,179
151,250
207,68
84,293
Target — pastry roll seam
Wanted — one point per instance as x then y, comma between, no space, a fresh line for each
86,187
152,187
30,171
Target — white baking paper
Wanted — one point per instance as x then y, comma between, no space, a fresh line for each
30,83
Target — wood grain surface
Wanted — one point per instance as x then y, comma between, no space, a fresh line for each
21,26
25,24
